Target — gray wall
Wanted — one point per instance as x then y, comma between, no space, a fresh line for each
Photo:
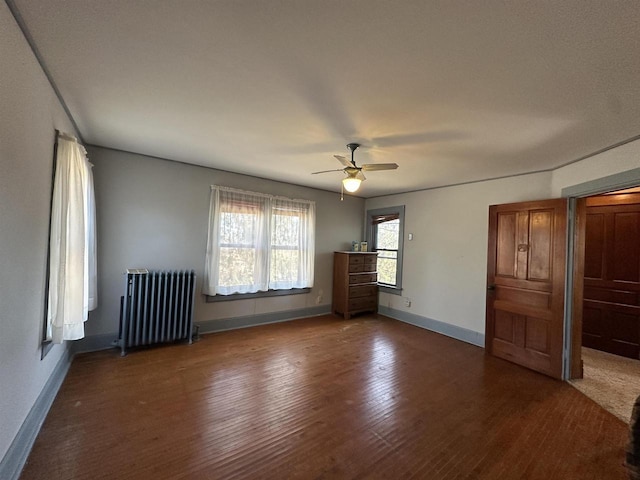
29,115
153,213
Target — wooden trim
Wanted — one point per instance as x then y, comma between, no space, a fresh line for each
491,263
560,236
378,219
613,199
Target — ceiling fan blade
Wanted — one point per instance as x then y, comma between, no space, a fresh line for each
370,167
327,171
343,160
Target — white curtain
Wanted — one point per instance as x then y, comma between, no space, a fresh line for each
292,244
258,242
72,261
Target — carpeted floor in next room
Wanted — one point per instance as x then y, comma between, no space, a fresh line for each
611,381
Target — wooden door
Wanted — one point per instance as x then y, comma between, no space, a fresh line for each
525,284
611,308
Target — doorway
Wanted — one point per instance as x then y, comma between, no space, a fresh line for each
603,317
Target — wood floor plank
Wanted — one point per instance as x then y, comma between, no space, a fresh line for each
321,398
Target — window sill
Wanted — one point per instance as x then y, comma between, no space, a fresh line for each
247,296
391,290
47,345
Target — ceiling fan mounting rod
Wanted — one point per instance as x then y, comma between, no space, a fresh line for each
352,147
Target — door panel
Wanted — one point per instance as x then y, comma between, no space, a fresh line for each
525,279
625,258
506,260
540,249
594,249
530,298
611,298
537,335
504,322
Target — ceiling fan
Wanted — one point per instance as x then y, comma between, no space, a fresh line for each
354,172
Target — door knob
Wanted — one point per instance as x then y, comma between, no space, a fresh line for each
491,287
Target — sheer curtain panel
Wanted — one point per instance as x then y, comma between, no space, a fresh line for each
72,259
292,244
237,246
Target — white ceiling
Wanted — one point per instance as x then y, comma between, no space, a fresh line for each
452,91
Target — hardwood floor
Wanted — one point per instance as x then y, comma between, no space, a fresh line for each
321,398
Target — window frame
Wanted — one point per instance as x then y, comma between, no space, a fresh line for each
371,234
46,343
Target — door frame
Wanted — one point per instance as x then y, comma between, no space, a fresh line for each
576,217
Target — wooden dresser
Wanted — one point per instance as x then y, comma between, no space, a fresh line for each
355,287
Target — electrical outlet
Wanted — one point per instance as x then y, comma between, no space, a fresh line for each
407,302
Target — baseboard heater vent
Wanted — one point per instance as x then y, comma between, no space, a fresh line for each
157,307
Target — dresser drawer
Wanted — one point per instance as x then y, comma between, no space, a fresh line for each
363,278
362,267
371,260
363,303
362,258
363,291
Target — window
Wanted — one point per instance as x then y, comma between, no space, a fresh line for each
258,243
386,242
385,229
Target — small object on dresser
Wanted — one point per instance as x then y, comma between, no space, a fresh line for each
363,246
355,246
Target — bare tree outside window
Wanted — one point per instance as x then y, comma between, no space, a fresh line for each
237,251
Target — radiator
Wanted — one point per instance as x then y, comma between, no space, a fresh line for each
157,307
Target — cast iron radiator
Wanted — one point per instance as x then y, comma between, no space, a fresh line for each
157,307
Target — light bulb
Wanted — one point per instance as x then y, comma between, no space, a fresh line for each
351,184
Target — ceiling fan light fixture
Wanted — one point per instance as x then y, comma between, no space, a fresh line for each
351,184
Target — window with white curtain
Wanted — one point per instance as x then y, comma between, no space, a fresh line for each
72,285
258,242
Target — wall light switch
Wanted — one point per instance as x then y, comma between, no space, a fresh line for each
410,236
